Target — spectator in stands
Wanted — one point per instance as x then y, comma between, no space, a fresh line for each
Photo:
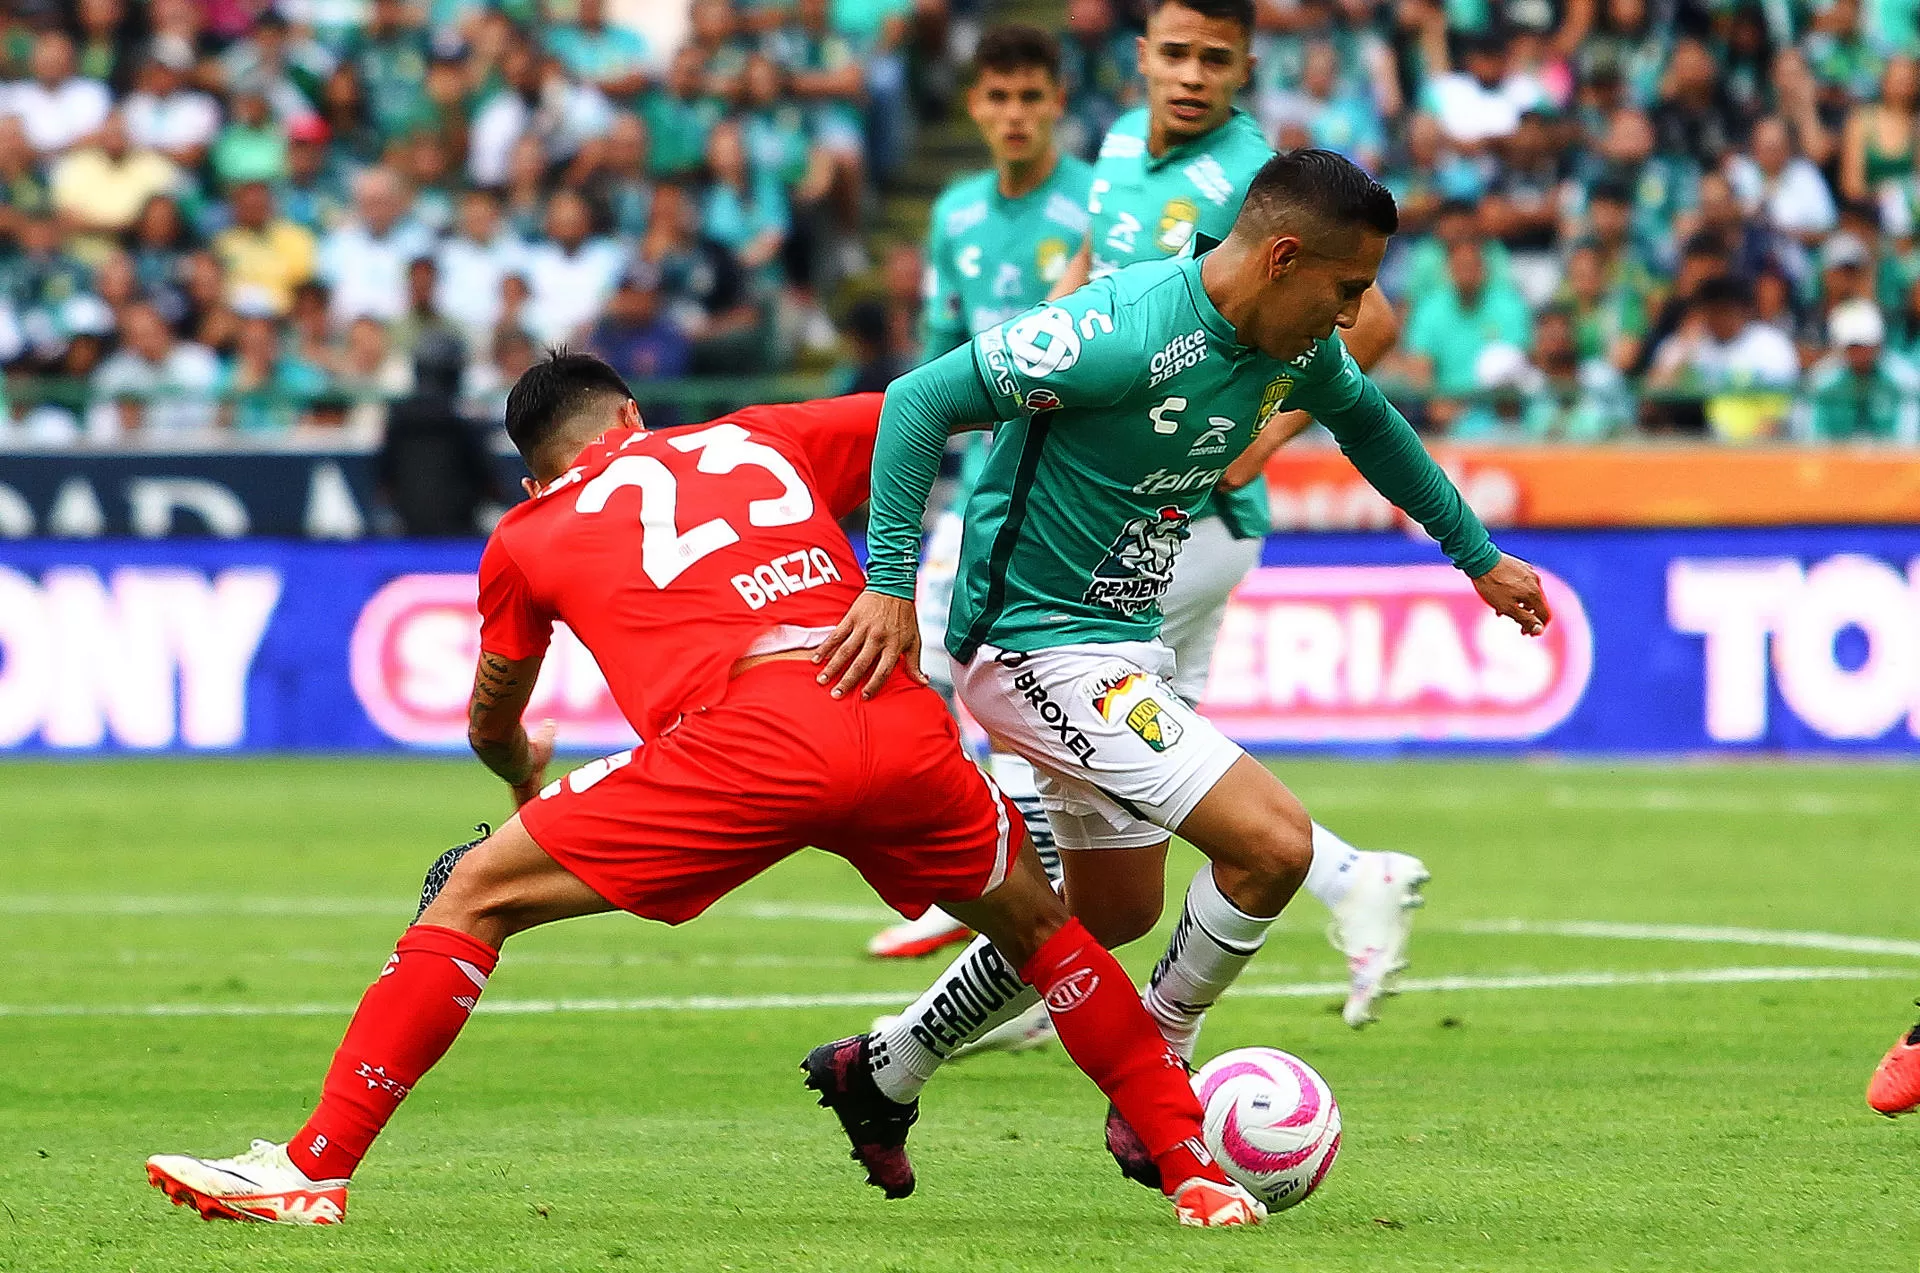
285,66
874,364
423,318
264,254
1608,321
1748,246
423,162
1783,188
168,114
159,243
370,374
1449,329
509,353
680,113
473,263
314,194
824,75
637,338
571,273
704,286
1425,269
524,197
389,57
1333,116
1576,397
1695,117
1743,366
252,146
1100,72
1475,105
155,386
743,209
343,107
1860,391
364,261
41,274
266,389
310,327
611,58
210,318
103,42
1881,139
58,107
23,189
613,174
100,187
1522,209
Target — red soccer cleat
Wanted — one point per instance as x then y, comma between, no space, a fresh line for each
1895,1087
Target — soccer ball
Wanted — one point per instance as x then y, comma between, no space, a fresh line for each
1271,1122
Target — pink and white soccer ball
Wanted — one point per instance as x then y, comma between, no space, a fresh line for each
1270,1121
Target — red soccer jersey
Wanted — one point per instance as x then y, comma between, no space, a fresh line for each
669,551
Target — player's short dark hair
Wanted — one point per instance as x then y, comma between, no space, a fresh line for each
1304,191
555,390
1240,11
1015,47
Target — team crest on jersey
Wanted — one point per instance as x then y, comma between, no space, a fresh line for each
1276,393
1139,565
1050,260
1155,725
1177,222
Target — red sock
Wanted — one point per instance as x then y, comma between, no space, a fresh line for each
406,1021
1097,1012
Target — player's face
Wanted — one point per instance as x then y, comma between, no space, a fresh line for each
1193,66
1310,293
1016,112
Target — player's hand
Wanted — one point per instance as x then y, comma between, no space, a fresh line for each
539,756
1512,588
878,633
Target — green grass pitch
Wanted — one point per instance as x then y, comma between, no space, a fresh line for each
1646,1050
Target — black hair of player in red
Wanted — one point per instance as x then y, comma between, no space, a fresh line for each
1240,11
1015,47
552,393
1319,187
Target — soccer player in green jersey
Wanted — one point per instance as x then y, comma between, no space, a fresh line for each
1170,176
1110,405
998,240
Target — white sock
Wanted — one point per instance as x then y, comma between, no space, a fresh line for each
1330,876
978,991
1212,943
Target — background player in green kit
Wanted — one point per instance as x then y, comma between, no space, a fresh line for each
998,241
1111,402
1170,176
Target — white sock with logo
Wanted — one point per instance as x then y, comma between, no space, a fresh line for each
978,991
1212,943
1330,876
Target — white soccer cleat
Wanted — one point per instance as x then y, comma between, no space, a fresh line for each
1208,1204
1372,925
261,1184
916,938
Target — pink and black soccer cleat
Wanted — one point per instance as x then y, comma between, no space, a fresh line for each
876,1125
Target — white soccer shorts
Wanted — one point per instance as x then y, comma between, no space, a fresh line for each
1120,758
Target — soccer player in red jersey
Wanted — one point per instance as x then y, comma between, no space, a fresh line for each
701,566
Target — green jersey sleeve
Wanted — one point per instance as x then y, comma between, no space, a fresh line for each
921,410
1383,446
1065,353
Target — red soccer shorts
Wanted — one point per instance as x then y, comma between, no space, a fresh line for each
777,765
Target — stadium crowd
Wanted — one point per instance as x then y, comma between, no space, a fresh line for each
1619,216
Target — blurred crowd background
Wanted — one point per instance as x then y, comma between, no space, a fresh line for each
233,222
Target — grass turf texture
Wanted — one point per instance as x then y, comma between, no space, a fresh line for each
1695,1127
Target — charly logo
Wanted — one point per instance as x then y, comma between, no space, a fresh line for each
1139,564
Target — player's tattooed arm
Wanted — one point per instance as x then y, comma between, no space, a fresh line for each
501,688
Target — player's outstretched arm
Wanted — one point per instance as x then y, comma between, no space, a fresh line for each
922,409
1383,446
1079,270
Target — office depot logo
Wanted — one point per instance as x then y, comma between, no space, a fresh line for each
1333,654
412,656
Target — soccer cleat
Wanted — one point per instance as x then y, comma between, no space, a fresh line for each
1895,1087
876,1125
1210,1204
1031,1029
1371,927
261,1184
915,938
1130,1151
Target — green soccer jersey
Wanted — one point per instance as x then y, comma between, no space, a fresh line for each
1120,406
990,257
1144,208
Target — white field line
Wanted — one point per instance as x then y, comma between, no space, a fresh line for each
1631,800
887,998
1699,933
399,907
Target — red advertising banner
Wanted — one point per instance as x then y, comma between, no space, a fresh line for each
1605,486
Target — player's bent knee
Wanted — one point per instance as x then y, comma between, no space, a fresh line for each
1116,925
1284,848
